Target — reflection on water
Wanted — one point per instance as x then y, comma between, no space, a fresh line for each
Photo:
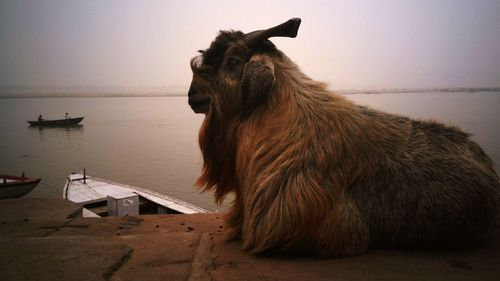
49,133
58,127
152,142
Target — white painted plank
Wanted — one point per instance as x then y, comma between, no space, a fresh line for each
95,189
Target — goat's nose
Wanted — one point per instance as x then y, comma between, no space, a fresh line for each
191,91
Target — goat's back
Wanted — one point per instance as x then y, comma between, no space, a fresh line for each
426,185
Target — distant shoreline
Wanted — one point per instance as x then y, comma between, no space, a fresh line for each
124,94
420,90
85,95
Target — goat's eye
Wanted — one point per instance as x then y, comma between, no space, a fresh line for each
205,74
205,71
233,62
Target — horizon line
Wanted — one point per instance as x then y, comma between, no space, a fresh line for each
350,91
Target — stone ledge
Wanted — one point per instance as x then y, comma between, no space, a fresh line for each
25,209
47,244
61,258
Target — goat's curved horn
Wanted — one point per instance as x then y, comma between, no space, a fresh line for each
286,29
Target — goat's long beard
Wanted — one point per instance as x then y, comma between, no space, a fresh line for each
218,145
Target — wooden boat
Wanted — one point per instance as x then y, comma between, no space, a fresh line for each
14,187
106,198
58,122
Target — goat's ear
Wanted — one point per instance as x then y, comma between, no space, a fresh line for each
257,82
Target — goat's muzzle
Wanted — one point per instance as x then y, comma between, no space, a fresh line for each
199,102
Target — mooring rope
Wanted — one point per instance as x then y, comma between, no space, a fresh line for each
51,186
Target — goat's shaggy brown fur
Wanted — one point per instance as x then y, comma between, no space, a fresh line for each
313,173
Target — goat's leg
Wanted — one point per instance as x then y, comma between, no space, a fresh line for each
234,221
344,233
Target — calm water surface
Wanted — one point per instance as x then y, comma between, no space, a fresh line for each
152,141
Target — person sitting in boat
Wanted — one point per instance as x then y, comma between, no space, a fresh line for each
40,117
66,116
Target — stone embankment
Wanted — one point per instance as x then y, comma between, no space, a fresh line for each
45,239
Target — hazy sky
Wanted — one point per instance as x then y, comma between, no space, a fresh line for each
349,44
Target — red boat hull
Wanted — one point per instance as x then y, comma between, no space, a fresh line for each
14,187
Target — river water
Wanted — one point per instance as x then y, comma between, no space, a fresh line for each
151,142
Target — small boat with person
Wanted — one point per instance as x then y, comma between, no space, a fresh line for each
67,121
102,198
14,187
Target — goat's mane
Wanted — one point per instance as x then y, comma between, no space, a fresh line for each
217,136
217,143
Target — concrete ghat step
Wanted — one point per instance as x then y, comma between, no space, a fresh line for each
37,209
192,247
61,258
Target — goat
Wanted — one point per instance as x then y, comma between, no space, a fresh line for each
315,174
